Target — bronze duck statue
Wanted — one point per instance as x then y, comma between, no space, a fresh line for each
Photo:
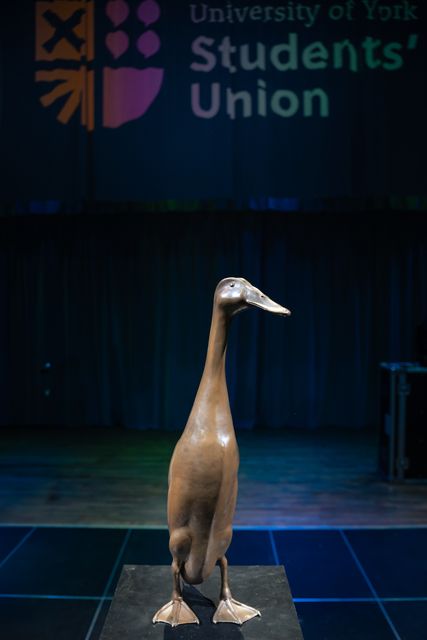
203,471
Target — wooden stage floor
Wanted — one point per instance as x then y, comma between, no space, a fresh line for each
118,478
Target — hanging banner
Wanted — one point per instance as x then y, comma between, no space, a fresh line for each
120,100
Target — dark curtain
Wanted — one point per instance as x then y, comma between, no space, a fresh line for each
104,319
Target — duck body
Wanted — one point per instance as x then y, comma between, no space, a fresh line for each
202,517
203,470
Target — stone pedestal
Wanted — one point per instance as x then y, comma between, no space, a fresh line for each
142,590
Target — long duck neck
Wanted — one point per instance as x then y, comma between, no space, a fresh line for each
211,409
214,370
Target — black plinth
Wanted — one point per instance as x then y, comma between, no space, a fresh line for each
142,590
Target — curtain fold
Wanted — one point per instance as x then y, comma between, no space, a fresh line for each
105,319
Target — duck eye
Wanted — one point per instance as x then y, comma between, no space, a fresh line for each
232,284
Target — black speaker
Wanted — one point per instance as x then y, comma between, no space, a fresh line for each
403,423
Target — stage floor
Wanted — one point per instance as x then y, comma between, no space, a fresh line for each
118,478
348,584
93,500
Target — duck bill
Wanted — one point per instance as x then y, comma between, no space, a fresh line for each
256,298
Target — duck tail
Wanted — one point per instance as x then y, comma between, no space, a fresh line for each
191,573
196,570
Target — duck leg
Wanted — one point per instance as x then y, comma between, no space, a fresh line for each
229,609
176,611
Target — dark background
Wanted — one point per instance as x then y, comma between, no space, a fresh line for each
105,303
120,306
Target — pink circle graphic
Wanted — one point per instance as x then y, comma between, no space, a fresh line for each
117,11
148,12
148,44
117,43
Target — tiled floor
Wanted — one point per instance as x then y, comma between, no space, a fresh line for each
348,584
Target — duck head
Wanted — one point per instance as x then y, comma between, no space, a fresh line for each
236,294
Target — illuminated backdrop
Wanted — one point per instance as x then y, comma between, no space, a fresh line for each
244,104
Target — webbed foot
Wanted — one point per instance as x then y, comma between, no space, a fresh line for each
176,612
230,610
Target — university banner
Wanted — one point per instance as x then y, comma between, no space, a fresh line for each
240,102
